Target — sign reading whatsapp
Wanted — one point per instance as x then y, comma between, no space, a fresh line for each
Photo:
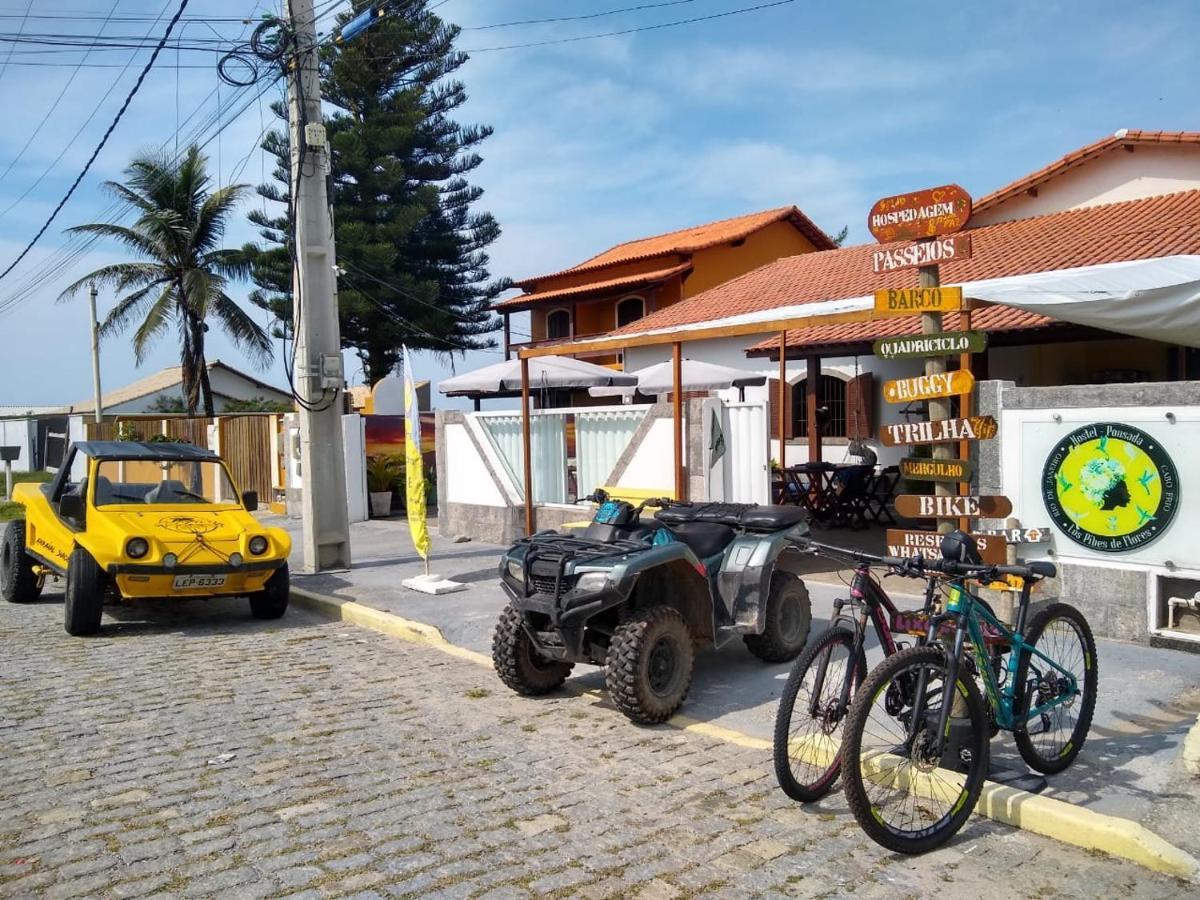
1110,487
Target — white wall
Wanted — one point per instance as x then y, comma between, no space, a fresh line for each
653,463
1149,171
19,433
468,480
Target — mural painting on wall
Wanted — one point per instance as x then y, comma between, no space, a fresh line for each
1110,487
385,436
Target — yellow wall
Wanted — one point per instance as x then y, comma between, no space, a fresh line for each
719,264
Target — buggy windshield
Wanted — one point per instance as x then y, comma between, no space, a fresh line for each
162,482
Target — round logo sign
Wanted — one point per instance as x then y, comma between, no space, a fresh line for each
1110,487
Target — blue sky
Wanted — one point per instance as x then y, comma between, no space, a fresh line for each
825,105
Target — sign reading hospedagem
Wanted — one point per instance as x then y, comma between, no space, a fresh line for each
920,214
912,301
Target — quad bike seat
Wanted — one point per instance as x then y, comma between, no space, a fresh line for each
706,539
748,516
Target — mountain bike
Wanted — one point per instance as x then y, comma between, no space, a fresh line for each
822,683
916,739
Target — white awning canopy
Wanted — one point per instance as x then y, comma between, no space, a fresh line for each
695,375
544,372
1156,298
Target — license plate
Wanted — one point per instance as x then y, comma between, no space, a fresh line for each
192,582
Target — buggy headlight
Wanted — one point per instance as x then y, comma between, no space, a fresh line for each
136,548
591,582
516,570
235,559
169,560
258,545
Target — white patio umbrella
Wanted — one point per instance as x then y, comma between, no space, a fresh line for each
695,375
545,372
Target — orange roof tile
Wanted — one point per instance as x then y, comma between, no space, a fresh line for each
1126,137
699,237
524,301
1135,229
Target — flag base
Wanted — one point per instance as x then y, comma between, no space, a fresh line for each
432,584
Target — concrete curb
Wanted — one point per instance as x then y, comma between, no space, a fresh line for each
1191,750
1041,815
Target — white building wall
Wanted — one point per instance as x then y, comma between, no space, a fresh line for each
19,433
1149,171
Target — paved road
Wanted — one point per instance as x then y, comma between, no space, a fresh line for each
189,750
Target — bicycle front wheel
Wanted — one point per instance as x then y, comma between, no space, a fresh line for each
1050,741
906,797
808,723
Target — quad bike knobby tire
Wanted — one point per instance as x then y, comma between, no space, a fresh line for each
517,661
649,664
272,601
84,601
788,620
18,583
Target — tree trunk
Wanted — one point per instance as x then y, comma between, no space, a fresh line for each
205,386
190,374
378,365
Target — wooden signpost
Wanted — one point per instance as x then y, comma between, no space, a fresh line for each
975,428
910,301
910,346
927,387
907,544
920,214
925,253
916,468
932,506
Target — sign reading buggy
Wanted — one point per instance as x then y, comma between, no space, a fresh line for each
1110,487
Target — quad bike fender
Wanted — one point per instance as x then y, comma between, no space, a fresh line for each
745,577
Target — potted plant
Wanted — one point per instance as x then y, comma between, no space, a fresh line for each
383,471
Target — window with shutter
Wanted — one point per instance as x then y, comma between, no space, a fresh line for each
773,399
860,407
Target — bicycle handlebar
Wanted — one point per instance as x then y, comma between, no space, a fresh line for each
922,565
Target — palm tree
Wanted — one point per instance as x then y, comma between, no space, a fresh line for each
182,274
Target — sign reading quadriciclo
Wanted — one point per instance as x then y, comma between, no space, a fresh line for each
1110,487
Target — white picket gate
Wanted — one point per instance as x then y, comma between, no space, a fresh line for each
747,476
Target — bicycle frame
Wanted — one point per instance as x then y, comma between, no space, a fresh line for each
967,614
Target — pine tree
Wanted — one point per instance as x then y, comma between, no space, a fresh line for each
410,246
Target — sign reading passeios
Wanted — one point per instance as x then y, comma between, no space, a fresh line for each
1110,487
921,214
924,253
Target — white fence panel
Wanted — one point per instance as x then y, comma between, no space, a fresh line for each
601,436
548,436
747,478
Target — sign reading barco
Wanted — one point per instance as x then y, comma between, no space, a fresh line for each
911,301
920,214
942,344
925,253
1110,487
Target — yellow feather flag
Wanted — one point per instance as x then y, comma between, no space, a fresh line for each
414,465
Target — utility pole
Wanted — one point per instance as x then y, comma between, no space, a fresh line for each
319,379
99,411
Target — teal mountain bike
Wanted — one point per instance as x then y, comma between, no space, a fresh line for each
915,748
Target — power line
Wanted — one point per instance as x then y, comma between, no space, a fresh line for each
402,292
20,30
103,140
661,25
595,15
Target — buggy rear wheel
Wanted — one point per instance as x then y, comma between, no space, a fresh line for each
649,665
18,583
518,662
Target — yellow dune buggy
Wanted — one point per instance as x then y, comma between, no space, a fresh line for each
130,521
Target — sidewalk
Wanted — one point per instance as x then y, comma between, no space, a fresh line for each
1131,767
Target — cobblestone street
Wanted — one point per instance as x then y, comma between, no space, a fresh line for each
194,751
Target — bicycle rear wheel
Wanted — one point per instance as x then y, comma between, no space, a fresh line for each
1050,742
906,799
808,723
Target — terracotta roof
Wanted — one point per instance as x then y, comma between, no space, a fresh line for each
1126,137
1135,229
524,301
987,318
698,237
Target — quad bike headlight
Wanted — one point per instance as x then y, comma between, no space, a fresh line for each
591,582
516,571
136,548
258,545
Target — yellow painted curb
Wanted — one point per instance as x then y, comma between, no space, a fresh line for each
1041,815
1191,750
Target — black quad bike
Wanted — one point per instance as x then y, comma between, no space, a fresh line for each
636,597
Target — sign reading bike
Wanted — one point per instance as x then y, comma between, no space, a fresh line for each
920,214
1110,487
911,301
943,344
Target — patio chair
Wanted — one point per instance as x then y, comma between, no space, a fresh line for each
851,492
879,496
